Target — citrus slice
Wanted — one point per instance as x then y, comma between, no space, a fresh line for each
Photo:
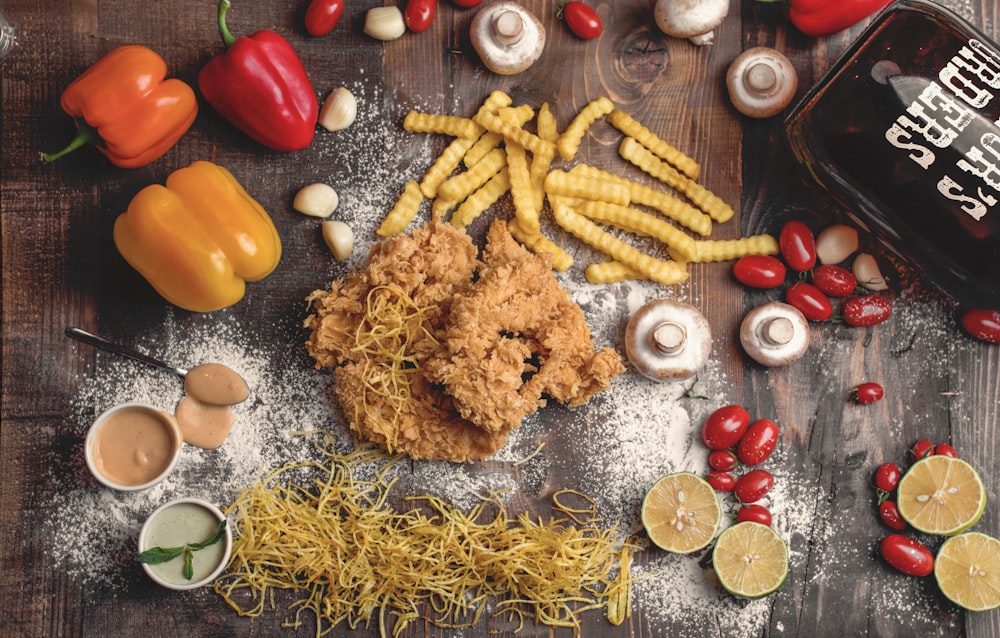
750,559
967,569
941,495
681,513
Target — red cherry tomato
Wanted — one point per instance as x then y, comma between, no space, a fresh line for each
866,310
907,555
753,485
810,301
921,449
982,324
419,14
887,477
798,246
889,514
943,449
721,481
758,442
835,281
467,4
722,460
582,20
754,514
724,427
868,393
322,16
759,271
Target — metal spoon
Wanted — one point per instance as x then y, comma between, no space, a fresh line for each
117,348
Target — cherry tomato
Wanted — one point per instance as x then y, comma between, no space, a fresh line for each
468,4
753,485
582,20
907,555
887,477
798,246
724,427
835,281
722,460
754,514
810,301
759,271
943,449
721,481
758,442
866,310
921,449
867,393
982,324
419,14
322,16
889,514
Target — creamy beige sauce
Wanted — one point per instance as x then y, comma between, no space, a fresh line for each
216,384
134,446
204,425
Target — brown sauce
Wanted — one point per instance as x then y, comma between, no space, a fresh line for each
135,445
216,384
204,425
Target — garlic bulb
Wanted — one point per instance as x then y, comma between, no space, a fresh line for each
316,200
384,23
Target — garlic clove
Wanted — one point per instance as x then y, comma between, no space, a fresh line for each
316,200
339,239
836,243
339,110
866,269
384,23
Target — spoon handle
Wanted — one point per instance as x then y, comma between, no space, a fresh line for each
117,348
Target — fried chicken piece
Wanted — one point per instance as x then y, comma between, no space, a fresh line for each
515,337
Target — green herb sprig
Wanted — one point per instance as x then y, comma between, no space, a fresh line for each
157,555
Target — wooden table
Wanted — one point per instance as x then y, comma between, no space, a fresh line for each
60,269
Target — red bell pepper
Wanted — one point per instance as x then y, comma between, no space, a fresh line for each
820,18
260,85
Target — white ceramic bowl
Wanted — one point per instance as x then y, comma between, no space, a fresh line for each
95,429
210,572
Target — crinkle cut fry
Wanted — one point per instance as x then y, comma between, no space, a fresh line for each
632,128
444,165
610,272
632,220
484,197
710,250
569,142
569,184
539,243
403,212
419,122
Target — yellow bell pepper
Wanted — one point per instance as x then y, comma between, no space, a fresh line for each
198,239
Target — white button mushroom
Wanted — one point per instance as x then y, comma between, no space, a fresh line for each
695,20
761,82
507,37
774,334
668,340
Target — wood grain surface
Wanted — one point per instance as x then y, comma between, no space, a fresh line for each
60,269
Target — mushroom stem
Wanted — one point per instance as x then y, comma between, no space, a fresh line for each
508,27
778,331
668,337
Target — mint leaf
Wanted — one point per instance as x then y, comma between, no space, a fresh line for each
156,555
220,531
188,563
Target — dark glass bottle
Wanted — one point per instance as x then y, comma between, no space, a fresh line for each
903,130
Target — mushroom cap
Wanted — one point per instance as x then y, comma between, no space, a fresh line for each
507,37
689,18
761,82
774,334
668,340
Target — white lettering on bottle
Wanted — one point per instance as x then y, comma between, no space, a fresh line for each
983,161
974,207
898,137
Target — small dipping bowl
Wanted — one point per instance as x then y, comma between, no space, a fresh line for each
133,446
182,522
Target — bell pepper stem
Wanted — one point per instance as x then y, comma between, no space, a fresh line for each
227,36
85,134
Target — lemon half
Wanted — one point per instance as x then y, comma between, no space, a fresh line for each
967,569
941,495
681,513
750,560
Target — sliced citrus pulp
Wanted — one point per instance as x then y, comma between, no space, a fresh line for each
681,513
967,569
941,495
750,559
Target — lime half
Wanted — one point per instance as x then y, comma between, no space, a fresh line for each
967,569
941,495
681,513
750,559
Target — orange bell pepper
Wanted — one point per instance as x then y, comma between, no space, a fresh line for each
123,104
198,239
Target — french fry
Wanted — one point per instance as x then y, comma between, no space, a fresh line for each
541,164
521,190
569,141
636,221
539,243
516,115
548,130
462,185
484,197
569,184
405,209
709,250
632,128
496,101
703,198
611,272
513,133
419,122
664,272
443,166
490,140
